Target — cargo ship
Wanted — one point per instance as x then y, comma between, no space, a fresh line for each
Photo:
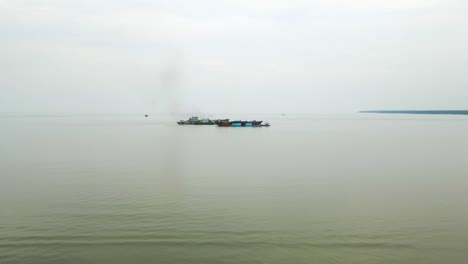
194,120
239,123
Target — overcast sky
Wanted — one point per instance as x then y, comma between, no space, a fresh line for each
232,55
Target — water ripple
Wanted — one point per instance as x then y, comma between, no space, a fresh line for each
175,240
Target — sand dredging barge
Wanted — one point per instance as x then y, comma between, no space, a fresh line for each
194,120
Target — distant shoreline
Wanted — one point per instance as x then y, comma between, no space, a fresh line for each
417,112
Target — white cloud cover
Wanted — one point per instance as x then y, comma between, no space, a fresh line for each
334,55
383,4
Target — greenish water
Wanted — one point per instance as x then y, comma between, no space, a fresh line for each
310,189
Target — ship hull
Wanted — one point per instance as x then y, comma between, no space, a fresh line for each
242,124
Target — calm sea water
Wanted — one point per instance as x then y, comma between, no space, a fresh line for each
309,189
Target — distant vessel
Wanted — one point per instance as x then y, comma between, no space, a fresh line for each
194,120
